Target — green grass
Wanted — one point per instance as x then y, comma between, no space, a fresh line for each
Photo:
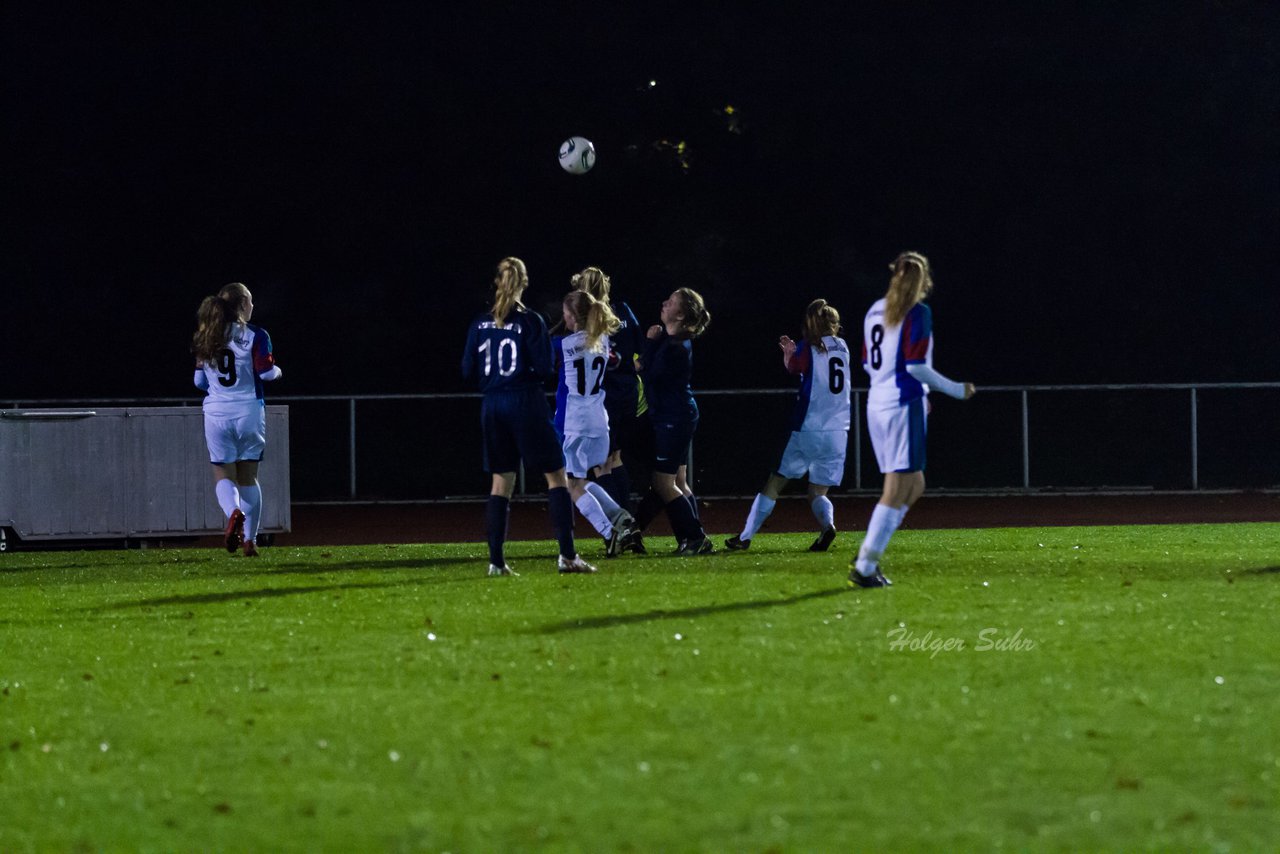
393,698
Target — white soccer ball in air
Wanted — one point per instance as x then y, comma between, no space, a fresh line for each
577,155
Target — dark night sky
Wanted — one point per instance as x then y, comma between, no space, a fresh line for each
1098,187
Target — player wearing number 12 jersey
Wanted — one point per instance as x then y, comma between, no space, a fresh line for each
583,358
508,354
233,359
819,425
897,353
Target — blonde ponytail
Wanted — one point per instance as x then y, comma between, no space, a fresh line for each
509,284
909,284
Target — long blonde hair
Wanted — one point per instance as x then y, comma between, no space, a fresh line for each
508,285
214,319
820,319
696,318
592,316
909,284
593,281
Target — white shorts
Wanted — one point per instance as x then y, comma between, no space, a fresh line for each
583,453
816,453
241,437
897,434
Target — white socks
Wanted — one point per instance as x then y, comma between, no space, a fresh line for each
251,504
823,511
760,510
228,496
607,504
589,506
884,521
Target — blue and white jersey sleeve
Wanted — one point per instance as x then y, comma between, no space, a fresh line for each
580,390
234,387
823,400
888,350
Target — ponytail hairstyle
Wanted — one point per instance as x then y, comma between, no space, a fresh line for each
593,281
696,318
592,316
909,284
820,319
508,285
214,319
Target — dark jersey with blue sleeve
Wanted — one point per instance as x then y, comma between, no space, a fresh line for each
667,370
514,357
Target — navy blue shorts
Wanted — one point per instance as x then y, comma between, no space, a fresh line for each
517,426
623,421
671,444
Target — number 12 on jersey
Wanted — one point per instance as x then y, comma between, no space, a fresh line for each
597,367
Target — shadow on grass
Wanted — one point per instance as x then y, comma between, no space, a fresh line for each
317,568
273,593
1262,570
700,611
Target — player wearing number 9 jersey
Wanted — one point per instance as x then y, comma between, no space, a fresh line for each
897,353
819,425
233,359
508,354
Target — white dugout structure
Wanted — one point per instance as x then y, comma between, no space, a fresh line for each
135,473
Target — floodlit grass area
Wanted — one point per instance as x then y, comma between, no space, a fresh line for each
1116,689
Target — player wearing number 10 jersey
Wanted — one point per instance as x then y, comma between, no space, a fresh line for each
897,353
508,354
820,425
233,359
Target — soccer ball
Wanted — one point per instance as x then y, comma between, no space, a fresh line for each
577,155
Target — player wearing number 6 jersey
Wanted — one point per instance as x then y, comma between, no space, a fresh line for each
583,358
233,359
819,425
897,353
508,354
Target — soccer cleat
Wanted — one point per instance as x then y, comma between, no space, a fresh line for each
495,570
824,540
636,545
233,536
695,547
250,550
614,542
737,544
875,579
577,564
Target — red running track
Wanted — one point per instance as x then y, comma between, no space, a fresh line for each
366,524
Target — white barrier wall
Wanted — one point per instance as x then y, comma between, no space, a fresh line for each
124,472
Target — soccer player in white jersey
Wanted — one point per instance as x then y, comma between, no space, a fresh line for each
233,359
819,425
897,353
582,358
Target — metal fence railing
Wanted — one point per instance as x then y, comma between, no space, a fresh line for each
1010,438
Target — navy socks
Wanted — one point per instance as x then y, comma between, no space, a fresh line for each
496,515
562,520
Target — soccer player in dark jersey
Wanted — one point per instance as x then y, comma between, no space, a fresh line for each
509,355
666,368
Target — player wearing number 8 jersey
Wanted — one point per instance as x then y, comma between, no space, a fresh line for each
897,353
508,354
233,359
819,425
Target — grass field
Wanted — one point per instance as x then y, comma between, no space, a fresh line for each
1116,689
